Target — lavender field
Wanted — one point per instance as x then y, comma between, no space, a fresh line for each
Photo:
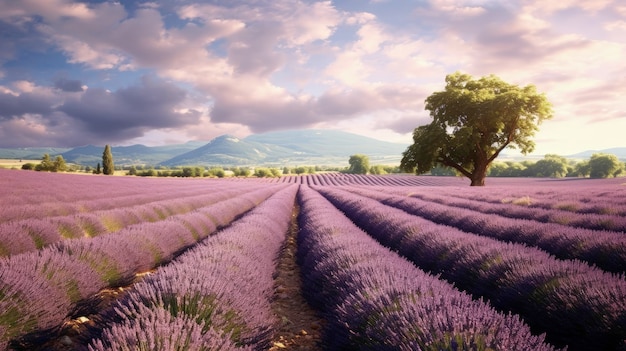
391,262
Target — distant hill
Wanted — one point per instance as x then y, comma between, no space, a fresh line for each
128,155
229,150
620,152
298,147
274,149
31,153
328,143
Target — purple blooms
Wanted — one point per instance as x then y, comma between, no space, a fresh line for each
605,249
38,289
375,300
215,294
16,233
156,329
574,303
220,290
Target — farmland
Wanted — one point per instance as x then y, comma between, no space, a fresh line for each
390,262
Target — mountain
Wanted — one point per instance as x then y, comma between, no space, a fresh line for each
229,150
329,143
128,155
620,152
274,149
31,153
298,147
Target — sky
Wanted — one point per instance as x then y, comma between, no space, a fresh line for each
163,72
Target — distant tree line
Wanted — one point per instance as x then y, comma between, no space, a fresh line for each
360,164
600,165
48,165
554,166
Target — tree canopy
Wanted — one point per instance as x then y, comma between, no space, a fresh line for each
359,164
604,166
47,165
473,121
107,161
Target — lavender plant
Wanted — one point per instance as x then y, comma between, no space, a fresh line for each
156,329
221,288
375,300
576,304
605,249
74,270
564,213
14,235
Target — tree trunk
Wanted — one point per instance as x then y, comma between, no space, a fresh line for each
478,181
479,175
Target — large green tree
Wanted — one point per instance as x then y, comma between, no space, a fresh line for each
604,166
553,166
107,161
473,121
359,164
59,164
46,164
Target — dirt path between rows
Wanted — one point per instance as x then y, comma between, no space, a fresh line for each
300,327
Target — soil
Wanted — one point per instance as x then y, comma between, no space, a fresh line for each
299,327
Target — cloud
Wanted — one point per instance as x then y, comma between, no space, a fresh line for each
68,85
405,124
130,112
50,9
14,105
94,116
254,66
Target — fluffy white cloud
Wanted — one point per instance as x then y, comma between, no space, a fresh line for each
240,66
63,114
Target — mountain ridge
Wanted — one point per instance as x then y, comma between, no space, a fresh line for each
289,148
277,149
284,148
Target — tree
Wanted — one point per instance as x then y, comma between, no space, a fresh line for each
604,166
107,161
46,164
29,166
473,121
98,169
59,164
359,164
378,169
553,166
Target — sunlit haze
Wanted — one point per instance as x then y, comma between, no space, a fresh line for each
168,71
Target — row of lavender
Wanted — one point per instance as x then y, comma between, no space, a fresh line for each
214,297
31,234
599,196
339,179
34,194
606,213
375,300
605,249
39,289
575,304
